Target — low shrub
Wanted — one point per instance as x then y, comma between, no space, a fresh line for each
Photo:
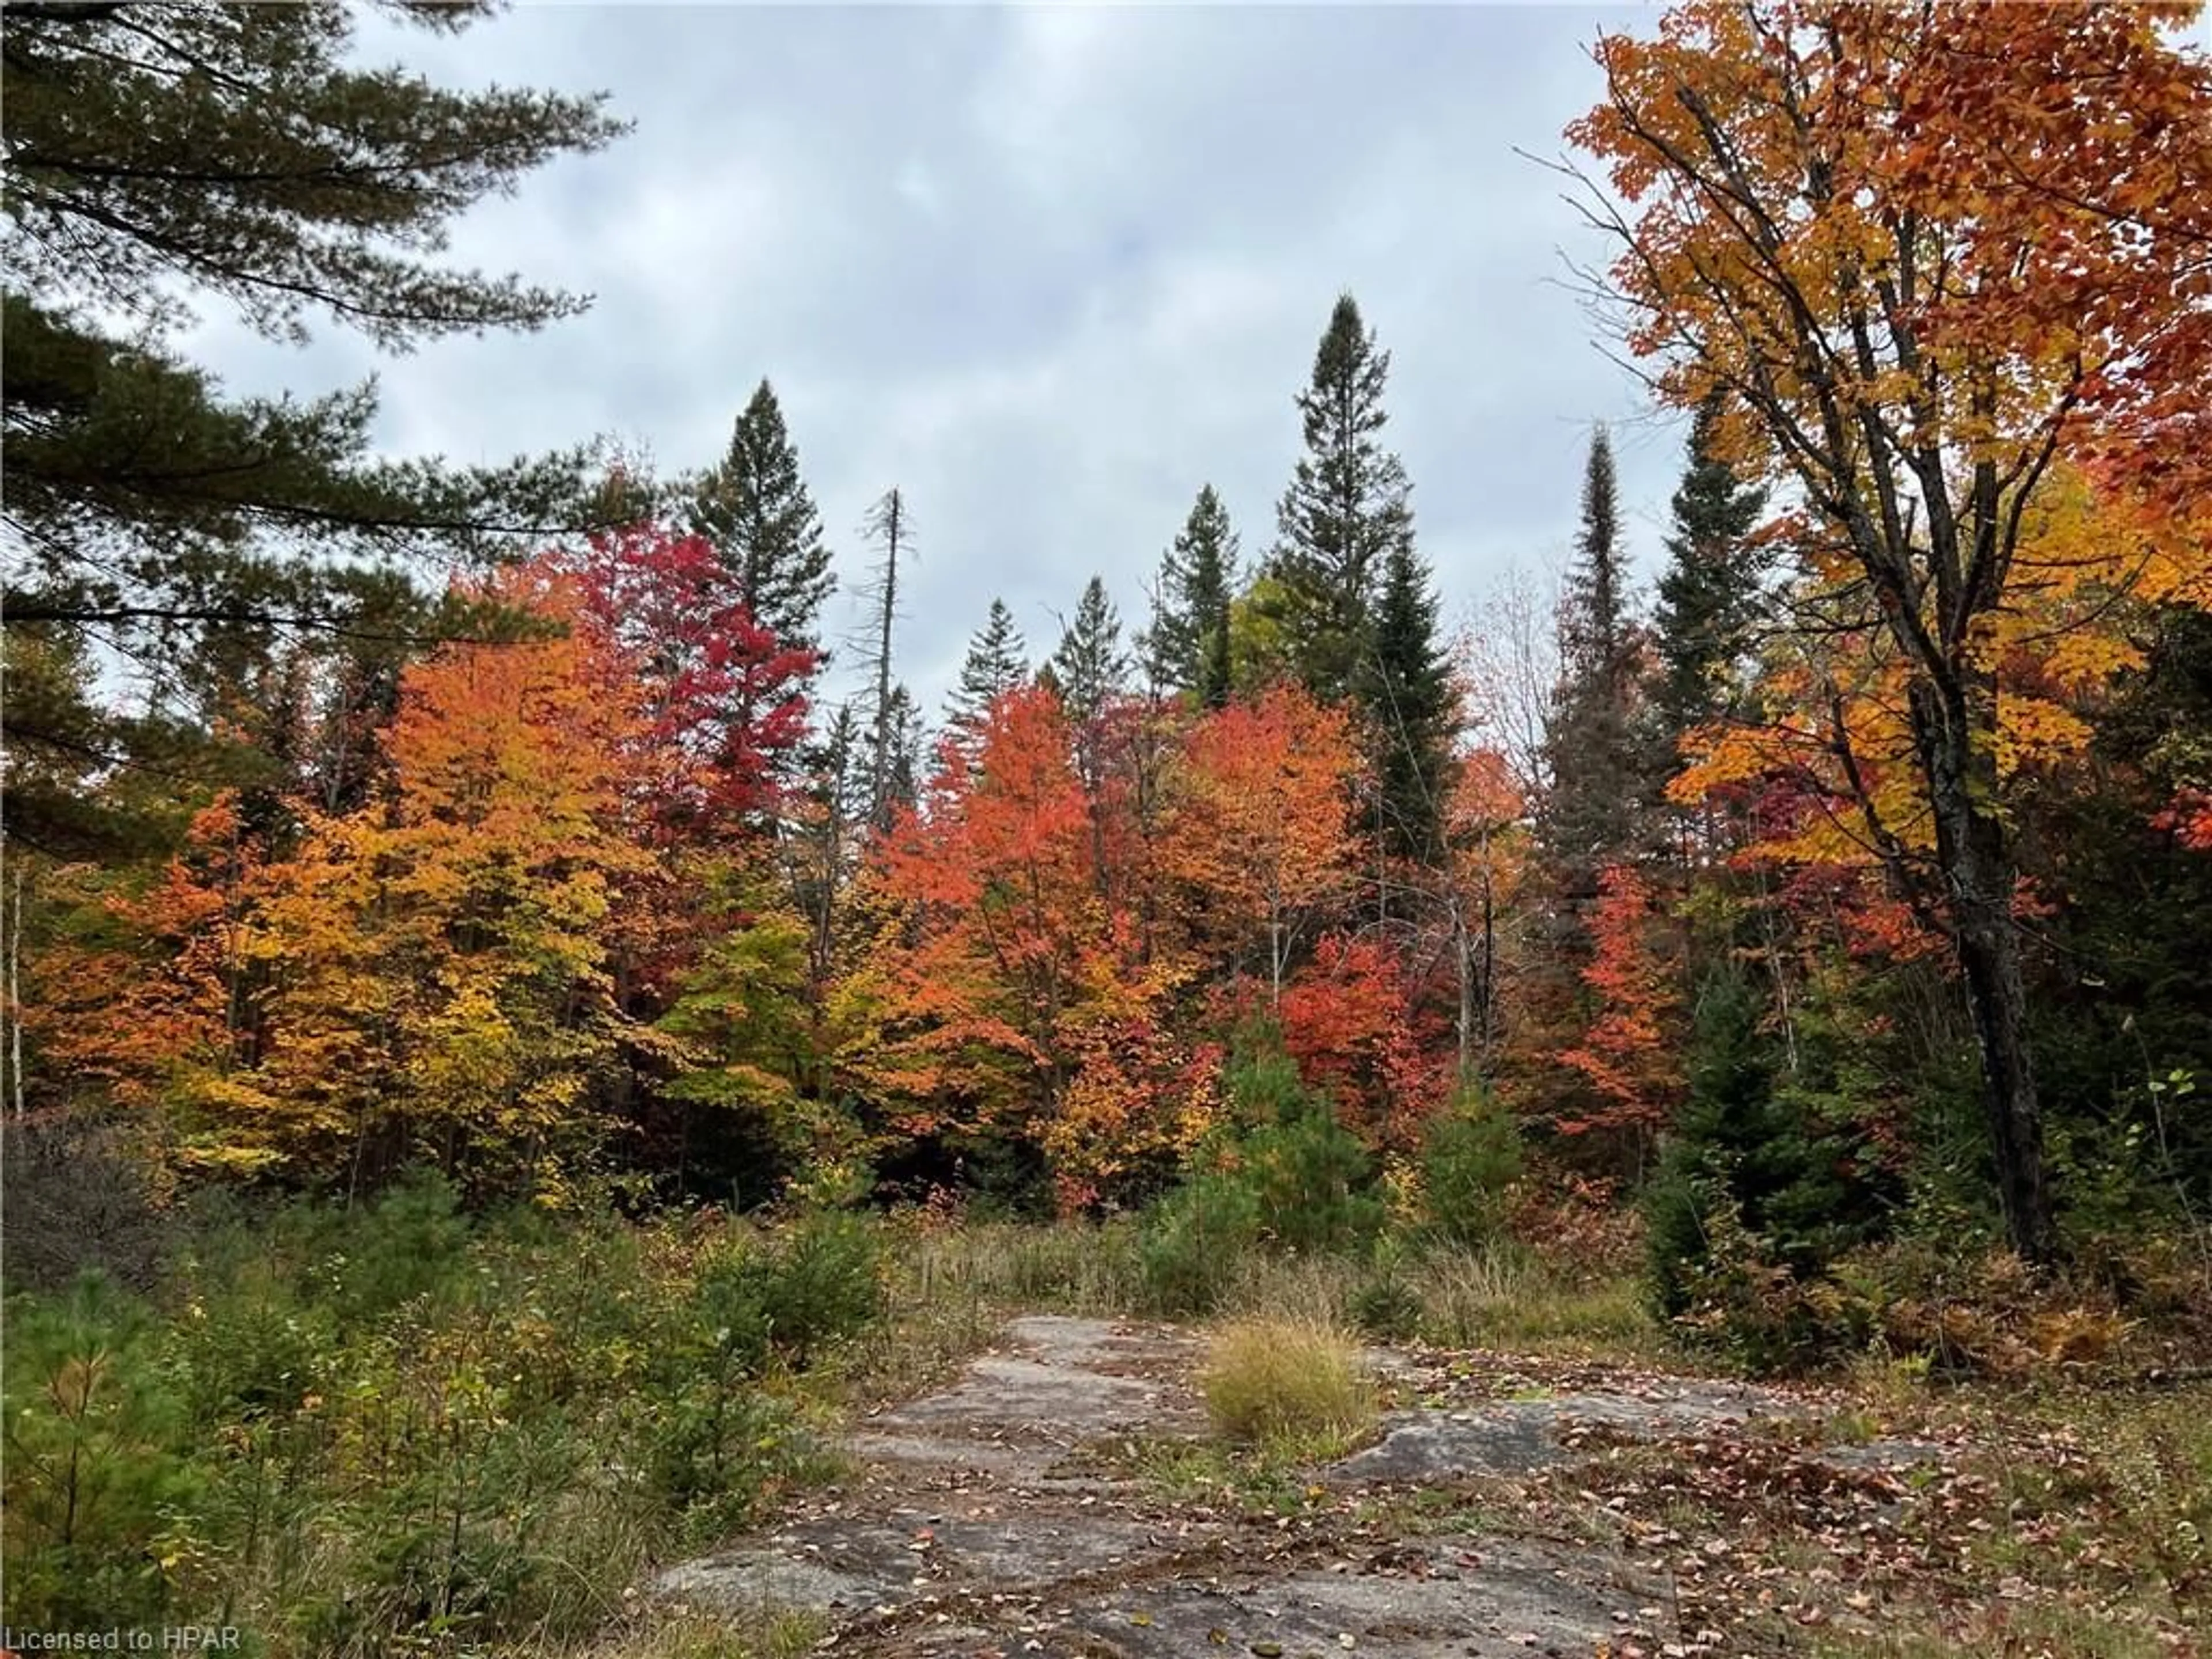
1766,1316
1313,1182
1386,1302
1288,1385
1470,1159
1194,1241
1985,1313
823,1281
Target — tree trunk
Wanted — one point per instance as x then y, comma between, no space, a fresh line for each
1463,959
1975,855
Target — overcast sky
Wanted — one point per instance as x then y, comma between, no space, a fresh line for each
1048,271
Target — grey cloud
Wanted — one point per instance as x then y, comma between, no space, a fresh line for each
1047,270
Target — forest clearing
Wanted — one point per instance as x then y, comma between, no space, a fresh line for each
1617,1068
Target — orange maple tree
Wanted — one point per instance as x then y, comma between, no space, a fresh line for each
1929,255
145,998
436,970
993,908
1258,833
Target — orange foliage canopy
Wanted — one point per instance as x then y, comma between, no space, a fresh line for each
1955,266
1261,828
1347,1020
1004,992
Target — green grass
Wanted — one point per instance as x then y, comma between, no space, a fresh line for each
1504,1297
986,1267
1295,1384
406,1429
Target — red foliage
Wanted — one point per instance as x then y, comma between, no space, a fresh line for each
1629,1054
724,698
1347,1020
2189,819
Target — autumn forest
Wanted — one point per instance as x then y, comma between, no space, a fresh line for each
504,935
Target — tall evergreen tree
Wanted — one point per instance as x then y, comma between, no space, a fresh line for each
997,662
1407,687
1089,671
1343,511
1709,596
208,151
1187,647
1089,666
755,508
1590,817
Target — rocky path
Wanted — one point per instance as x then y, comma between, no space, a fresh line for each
989,1519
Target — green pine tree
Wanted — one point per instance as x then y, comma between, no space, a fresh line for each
1709,598
997,662
159,155
1776,1150
755,508
1589,817
1088,666
1187,647
1406,689
1343,511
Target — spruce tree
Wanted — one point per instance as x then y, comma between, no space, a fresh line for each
1343,511
1088,666
1780,1150
162,155
1709,598
1406,687
997,662
755,508
1589,817
1089,671
1187,647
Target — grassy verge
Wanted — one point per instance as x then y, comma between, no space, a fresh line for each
405,1430
1503,1295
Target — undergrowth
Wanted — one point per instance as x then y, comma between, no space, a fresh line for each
353,1433
403,1428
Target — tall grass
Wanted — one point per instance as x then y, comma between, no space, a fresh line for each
1500,1294
1295,1385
